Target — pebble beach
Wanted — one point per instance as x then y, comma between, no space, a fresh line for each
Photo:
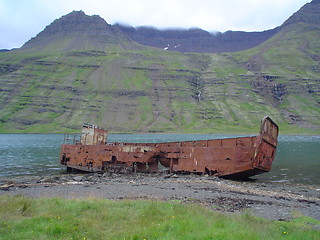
269,200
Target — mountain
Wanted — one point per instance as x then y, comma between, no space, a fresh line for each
197,40
81,69
76,31
308,14
200,41
287,67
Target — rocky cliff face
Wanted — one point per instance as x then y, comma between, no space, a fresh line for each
197,40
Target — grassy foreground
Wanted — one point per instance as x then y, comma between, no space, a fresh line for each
26,218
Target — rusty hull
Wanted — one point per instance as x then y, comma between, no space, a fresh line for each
231,157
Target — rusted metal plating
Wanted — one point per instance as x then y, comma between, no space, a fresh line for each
232,157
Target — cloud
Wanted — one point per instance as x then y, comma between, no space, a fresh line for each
20,20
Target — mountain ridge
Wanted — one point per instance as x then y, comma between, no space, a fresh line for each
96,30
57,81
92,33
181,40
197,40
309,13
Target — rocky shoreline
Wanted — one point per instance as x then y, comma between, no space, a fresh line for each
277,201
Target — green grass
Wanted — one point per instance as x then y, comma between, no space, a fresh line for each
26,218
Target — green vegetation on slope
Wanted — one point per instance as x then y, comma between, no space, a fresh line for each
151,90
25,218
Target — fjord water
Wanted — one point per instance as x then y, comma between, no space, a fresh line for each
297,159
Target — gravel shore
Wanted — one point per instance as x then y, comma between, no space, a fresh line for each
270,200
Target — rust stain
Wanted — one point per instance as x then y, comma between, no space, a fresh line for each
234,157
142,149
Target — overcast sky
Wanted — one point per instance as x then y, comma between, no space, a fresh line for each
22,19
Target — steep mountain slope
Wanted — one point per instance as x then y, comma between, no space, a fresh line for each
75,32
287,67
48,86
197,40
308,14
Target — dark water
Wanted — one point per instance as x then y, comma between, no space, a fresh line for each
297,159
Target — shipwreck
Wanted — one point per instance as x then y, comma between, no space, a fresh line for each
229,157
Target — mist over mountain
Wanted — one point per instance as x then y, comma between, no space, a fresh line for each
82,69
76,31
197,40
